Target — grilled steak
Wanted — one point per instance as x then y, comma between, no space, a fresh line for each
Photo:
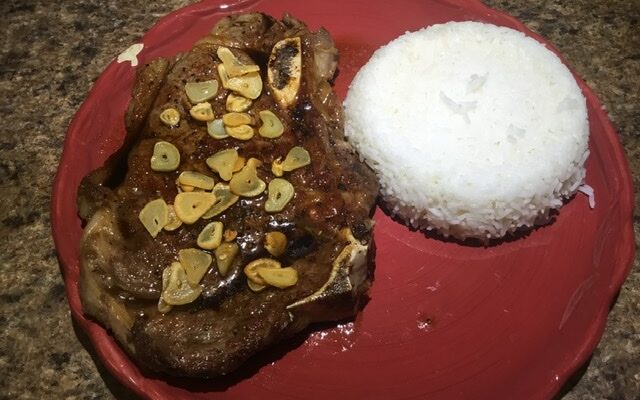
327,223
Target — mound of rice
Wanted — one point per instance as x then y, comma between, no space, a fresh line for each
473,129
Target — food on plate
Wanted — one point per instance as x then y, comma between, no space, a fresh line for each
235,214
473,130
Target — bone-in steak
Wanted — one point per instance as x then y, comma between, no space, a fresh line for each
327,223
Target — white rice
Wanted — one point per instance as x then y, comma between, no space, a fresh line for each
473,129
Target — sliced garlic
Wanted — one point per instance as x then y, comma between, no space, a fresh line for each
211,236
215,129
230,60
165,158
174,222
170,117
197,92
242,132
195,180
281,192
163,307
225,254
237,103
271,125
276,167
196,263
251,269
255,287
236,119
246,182
233,66
239,164
223,162
241,70
224,200
297,157
285,70
249,85
280,278
192,205
178,290
275,243
202,112
154,216
254,163
224,77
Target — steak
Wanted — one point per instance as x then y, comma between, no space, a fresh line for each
327,223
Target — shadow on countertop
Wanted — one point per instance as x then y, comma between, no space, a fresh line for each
117,389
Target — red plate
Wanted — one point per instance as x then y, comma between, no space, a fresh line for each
446,321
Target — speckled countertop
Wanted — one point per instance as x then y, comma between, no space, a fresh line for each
52,51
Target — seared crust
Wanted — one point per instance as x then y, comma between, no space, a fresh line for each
121,265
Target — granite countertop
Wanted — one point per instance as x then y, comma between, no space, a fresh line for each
51,53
